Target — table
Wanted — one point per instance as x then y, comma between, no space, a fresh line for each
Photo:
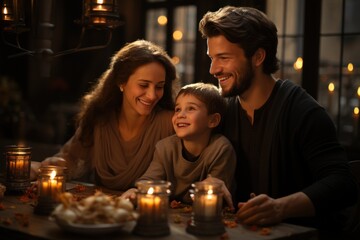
40,227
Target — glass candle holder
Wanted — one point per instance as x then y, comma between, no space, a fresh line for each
152,205
50,184
17,167
206,217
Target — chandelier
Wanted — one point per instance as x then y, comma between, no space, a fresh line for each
17,17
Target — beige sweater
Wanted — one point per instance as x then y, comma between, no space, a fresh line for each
111,161
217,159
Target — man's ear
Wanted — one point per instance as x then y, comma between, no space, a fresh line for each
259,57
214,120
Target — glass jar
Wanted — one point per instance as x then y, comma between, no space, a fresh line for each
152,206
51,183
206,218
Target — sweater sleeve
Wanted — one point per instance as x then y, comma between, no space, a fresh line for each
333,187
77,157
224,161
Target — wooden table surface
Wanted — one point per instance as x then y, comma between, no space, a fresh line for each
40,227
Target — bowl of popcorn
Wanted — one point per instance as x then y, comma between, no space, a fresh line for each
96,214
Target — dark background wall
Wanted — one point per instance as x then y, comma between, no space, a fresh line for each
39,92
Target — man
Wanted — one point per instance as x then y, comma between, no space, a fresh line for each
290,164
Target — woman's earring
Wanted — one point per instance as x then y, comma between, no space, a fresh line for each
121,89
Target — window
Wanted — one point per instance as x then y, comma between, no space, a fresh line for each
173,26
288,16
337,85
339,78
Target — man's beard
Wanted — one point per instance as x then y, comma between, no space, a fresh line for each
242,83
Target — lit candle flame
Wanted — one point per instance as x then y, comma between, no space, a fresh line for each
5,11
331,87
52,174
151,190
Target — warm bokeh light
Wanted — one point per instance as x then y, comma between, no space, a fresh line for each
356,110
177,35
5,11
162,20
331,87
175,60
358,92
100,1
298,64
350,67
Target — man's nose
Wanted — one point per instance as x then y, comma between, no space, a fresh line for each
214,68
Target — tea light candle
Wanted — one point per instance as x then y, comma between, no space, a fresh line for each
49,187
99,6
150,205
210,203
6,14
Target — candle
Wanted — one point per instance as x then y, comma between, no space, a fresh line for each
209,204
206,218
150,206
6,15
49,186
99,20
12,165
51,182
153,204
99,6
19,164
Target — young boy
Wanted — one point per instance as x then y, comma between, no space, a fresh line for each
196,151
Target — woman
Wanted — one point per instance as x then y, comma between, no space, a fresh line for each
122,118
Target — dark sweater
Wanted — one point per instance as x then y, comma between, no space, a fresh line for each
292,146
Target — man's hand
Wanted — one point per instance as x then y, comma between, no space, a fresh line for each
260,210
264,210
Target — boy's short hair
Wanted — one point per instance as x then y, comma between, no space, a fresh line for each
207,93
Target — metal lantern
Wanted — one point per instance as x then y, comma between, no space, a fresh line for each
13,16
17,167
101,13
